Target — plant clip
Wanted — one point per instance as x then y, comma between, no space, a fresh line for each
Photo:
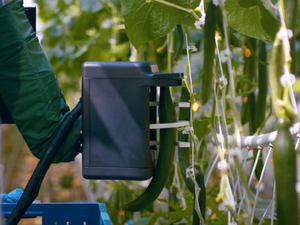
193,48
189,171
222,165
199,23
284,33
224,55
215,2
187,130
222,82
287,78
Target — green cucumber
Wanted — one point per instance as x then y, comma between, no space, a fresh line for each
180,44
164,165
284,157
201,199
262,86
209,53
250,73
184,153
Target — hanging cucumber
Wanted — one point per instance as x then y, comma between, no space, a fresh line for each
244,110
284,157
167,114
209,52
184,153
262,86
201,199
180,44
251,74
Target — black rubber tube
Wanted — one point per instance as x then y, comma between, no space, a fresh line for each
32,189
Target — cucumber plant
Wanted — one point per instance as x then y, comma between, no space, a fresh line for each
218,69
224,28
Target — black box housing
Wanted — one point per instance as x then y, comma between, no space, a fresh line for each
116,118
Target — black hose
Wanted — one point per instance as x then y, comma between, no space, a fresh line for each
32,189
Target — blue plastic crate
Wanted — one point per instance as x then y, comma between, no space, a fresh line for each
64,213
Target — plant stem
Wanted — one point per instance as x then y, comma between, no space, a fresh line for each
170,50
197,192
274,73
285,40
190,88
287,59
187,74
291,11
223,100
231,97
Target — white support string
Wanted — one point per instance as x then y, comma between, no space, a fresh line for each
189,63
237,184
269,206
259,183
273,205
191,92
211,168
250,178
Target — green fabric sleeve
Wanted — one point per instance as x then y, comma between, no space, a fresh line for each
29,86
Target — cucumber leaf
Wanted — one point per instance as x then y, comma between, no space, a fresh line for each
180,214
150,20
201,128
253,18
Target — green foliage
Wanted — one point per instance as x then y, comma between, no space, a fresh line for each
85,30
79,31
150,20
179,214
201,127
253,18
